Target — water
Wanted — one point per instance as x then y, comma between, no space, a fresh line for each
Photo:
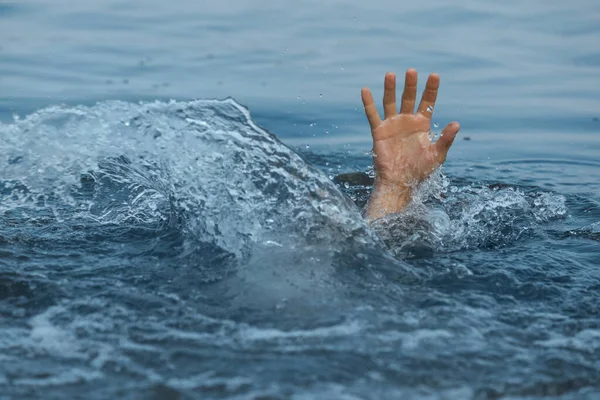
164,249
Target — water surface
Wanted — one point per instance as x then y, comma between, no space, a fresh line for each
164,249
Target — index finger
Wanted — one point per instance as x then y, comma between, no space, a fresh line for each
370,108
429,95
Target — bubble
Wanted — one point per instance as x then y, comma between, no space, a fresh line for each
462,270
307,146
436,125
430,109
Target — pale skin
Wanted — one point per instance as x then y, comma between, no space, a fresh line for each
403,154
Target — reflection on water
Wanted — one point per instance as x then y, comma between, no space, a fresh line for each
503,66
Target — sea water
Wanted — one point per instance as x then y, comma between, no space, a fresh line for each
156,246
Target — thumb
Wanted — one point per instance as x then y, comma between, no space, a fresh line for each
445,140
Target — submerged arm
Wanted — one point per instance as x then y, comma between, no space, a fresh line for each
403,154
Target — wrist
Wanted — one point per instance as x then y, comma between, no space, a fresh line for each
388,198
397,187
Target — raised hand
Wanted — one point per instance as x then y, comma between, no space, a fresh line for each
403,154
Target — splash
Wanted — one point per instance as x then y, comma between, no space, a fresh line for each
202,168
445,217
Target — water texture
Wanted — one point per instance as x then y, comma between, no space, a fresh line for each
153,248
159,244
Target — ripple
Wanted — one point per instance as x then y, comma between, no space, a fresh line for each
176,249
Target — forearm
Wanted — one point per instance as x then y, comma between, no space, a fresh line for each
387,199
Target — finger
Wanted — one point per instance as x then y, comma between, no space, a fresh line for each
429,95
370,109
409,95
445,140
389,95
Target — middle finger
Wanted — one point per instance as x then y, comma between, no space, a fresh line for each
409,95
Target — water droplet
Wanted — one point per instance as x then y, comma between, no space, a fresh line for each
436,125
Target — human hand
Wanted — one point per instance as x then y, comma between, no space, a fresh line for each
403,154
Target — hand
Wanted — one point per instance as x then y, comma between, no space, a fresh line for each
403,154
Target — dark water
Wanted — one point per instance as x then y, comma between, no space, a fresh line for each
175,249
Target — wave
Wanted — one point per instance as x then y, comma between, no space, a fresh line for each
193,182
180,244
204,179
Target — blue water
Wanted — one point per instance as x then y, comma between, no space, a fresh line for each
154,246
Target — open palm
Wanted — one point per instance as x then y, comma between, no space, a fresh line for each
403,153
